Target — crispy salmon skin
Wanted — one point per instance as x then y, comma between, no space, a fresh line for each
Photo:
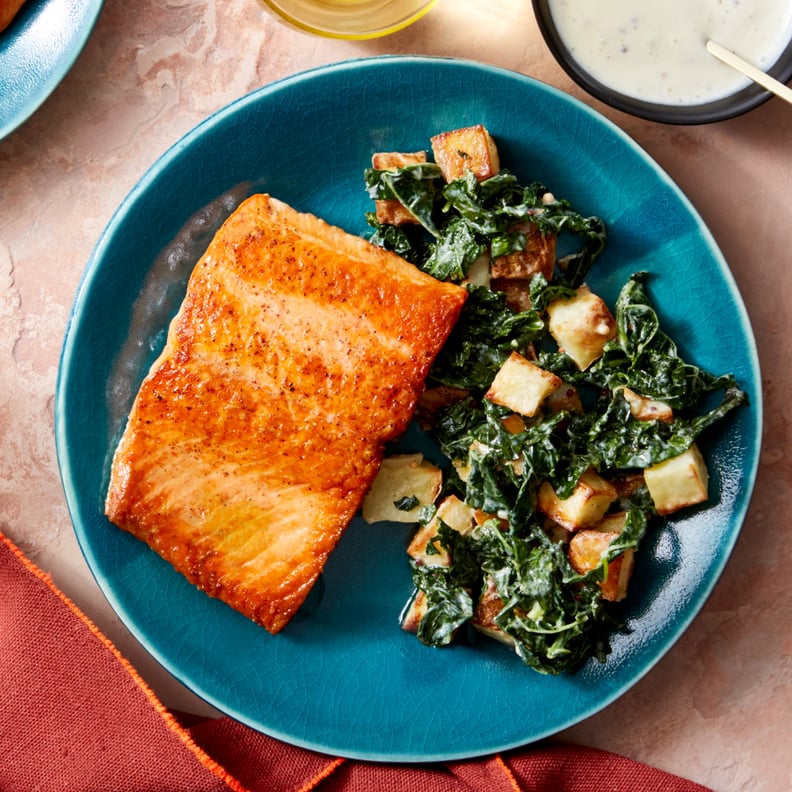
298,353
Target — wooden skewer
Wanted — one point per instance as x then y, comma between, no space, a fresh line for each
758,76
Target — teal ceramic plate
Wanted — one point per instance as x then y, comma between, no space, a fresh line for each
342,677
36,52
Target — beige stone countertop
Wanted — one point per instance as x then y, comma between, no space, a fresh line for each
716,709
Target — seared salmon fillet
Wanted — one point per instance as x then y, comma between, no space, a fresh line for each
298,353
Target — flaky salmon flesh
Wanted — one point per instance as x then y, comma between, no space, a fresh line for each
298,353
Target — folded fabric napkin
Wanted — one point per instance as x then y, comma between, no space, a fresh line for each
75,715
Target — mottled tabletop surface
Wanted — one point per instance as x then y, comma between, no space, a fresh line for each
716,707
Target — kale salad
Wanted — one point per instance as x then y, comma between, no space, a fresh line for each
568,426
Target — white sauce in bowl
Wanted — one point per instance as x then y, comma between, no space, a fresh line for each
654,50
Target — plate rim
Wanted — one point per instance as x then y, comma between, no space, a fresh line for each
64,373
46,86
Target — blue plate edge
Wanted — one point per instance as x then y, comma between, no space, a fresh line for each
48,87
64,373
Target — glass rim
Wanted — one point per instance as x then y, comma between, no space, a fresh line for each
276,7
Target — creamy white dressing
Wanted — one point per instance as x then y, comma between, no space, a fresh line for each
654,50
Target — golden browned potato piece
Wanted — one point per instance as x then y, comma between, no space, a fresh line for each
414,611
584,508
487,608
645,409
389,210
581,326
517,292
402,476
521,386
586,549
680,481
538,257
468,149
456,514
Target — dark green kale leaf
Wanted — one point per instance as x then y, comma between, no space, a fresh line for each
639,513
402,240
457,427
449,606
449,602
487,332
451,256
407,503
489,206
642,357
467,217
555,616
618,440
493,209
504,468
417,187
542,292
645,359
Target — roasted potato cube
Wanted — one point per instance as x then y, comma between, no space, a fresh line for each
584,508
678,482
538,257
521,385
644,409
462,468
627,484
434,400
471,148
480,517
478,273
587,547
614,587
556,532
487,608
564,397
516,290
393,160
414,611
612,523
401,476
513,424
586,550
581,326
389,210
456,514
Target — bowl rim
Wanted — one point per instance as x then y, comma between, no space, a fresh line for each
731,106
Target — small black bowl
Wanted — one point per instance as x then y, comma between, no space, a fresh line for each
736,104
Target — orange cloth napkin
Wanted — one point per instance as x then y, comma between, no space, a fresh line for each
75,715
